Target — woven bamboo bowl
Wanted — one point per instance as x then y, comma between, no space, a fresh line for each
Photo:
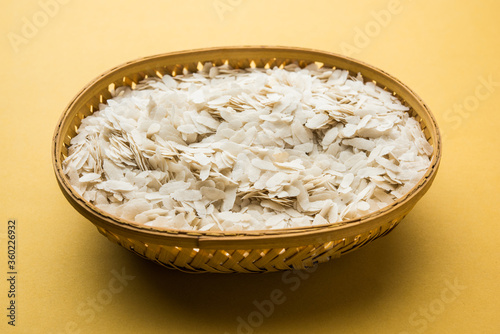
246,251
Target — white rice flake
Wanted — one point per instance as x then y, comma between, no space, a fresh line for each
89,177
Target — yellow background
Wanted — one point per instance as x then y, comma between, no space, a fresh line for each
443,50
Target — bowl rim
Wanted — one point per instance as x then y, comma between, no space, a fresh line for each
211,239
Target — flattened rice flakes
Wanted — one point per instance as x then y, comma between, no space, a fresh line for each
232,149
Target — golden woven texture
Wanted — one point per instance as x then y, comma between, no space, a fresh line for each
246,251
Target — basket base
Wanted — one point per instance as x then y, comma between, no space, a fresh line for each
193,260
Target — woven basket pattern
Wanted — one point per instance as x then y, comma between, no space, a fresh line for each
248,260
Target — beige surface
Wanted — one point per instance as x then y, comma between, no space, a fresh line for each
436,273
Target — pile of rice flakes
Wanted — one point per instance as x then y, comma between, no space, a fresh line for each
247,149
